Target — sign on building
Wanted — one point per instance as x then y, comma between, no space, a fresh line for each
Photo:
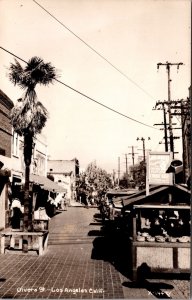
157,166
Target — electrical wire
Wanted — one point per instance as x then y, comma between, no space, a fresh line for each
84,95
109,108
98,53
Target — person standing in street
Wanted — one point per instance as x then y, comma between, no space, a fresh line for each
84,199
65,203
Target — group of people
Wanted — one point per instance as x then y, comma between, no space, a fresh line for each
61,201
16,205
169,223
88,198
98,198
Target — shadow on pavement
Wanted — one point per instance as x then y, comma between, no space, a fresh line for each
97,215
58,212
95,233
153,288
112,244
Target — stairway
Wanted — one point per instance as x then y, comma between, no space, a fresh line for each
74,227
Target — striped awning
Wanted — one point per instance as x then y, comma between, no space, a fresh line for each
46,183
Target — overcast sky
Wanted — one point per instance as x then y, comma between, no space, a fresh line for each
133,36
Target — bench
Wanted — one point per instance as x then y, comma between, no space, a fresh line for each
41,237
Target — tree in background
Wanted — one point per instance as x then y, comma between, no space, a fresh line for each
94,178
29,116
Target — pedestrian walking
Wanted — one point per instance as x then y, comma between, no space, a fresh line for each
65,204
84,199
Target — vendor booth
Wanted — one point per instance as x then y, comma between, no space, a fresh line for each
42,192
160,237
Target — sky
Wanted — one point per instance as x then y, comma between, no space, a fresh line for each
131,36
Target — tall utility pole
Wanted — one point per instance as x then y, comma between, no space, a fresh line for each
133,156
113,176
163,104
126,167
164,123
143,140
133,160
118,170
165,128
168,65
182,109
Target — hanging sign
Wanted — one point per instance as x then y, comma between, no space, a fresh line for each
158,164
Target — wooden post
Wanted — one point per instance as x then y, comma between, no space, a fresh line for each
33,205
2,244
147,174
40,240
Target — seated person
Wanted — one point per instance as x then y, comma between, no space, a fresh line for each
156,227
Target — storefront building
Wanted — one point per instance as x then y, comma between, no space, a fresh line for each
65,173
5,155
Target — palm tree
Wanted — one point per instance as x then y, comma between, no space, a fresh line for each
29,116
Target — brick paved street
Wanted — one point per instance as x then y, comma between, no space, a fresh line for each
80,263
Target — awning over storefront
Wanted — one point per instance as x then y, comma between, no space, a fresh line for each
46,183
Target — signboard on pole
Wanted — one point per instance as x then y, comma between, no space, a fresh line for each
157,166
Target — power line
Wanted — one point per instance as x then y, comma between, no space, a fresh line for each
13,55
84,95
121,114
98,53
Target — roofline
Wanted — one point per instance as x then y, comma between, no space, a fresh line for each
141,196
60,173
54,160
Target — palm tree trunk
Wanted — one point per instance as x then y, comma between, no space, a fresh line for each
28,146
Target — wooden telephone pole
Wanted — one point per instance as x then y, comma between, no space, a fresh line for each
143,140
133,159
118,170
164,123
182,109
168,65
126,168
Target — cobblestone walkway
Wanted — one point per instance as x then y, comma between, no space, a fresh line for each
72,269
67,269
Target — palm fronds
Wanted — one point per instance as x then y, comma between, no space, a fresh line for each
35,72
42,73
16,74
26,116
40,115
29,114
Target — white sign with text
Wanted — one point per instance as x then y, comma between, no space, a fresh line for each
157,165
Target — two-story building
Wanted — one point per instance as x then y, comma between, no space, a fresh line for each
65,173
12,167
5,155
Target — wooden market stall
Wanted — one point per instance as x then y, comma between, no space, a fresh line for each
160,239
12,239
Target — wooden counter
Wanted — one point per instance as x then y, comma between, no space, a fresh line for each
161,257
38,240
158,256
